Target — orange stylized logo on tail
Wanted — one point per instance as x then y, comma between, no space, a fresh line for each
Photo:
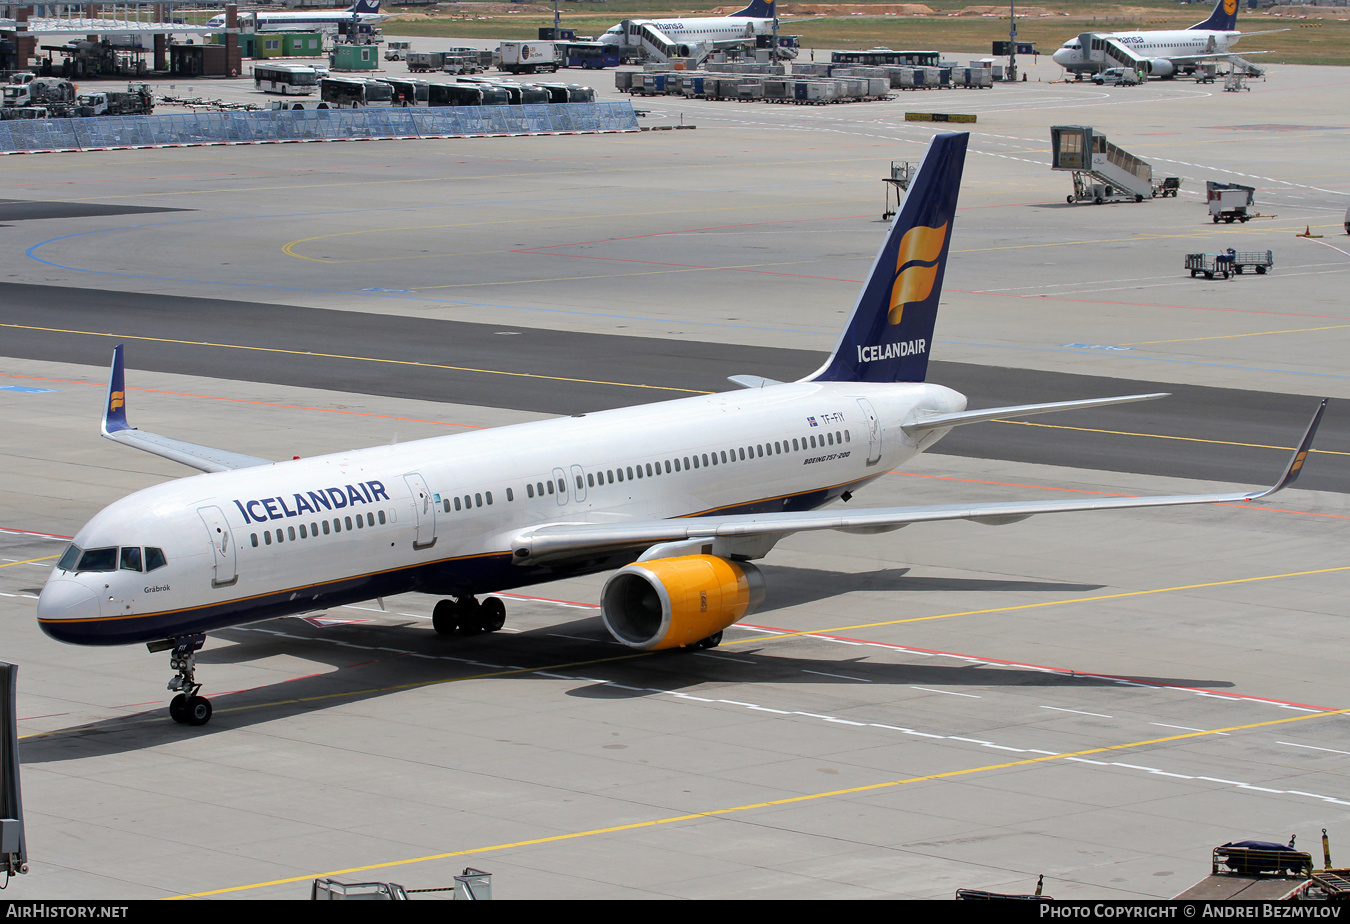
1230,6
118,399
921,246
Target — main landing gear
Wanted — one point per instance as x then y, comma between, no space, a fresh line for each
467,616
187,708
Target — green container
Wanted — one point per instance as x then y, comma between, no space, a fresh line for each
355,58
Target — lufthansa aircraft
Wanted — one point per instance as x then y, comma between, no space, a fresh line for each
756,18
678,496
1170,50
365,12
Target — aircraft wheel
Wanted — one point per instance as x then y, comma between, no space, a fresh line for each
470,616
178,709
711,641
445,617
198,710
492,614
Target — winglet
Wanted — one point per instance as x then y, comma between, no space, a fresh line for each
115,406
1295,466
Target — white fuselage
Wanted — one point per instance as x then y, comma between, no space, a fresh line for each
695,30
440,515
296,22
1174,45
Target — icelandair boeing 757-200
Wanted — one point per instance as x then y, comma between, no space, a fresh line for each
679,496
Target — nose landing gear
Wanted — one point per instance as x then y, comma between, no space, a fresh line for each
187,708
468,616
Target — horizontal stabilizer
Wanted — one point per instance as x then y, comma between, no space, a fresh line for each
752,381
942,421
117,429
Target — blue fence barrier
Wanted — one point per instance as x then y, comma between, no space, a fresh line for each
280,125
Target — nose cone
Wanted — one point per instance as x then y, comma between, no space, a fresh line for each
61,606
1063,57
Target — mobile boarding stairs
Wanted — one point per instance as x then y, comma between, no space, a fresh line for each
1101,171
1106,52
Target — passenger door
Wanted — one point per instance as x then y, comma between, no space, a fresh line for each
424,511
873,431
222,546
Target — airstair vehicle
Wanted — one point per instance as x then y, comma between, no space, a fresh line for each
658,47
1101,171
1107,52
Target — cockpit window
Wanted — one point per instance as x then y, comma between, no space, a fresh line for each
154,558
99,560
71,556
131,558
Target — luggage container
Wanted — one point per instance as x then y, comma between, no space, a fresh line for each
1228,202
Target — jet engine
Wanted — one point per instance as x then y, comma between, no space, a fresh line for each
1161,67
674,602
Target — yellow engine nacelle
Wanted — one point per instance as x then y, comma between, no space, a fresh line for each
673,602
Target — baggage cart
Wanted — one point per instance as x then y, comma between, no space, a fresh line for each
1167,188
1230,262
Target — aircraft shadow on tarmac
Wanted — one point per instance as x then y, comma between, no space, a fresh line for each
410,655
788,586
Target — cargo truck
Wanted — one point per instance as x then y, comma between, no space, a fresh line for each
135,100
528,57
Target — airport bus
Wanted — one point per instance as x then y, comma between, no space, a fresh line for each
588,55
876,56
286,79
355,92
407,92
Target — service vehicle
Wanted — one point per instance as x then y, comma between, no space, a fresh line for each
286,79
528,57
135,100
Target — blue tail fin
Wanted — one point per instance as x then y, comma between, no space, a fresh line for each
365,6
891,331
115,405
758,9
1223,19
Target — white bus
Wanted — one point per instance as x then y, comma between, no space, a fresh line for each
286,79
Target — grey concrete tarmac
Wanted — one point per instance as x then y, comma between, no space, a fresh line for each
1099,698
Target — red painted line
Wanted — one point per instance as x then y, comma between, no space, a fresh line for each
29,532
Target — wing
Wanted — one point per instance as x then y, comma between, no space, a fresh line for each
116,428
756,533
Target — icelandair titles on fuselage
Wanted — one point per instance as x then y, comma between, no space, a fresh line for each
276,508
878,351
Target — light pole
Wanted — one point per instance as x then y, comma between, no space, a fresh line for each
1012,39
